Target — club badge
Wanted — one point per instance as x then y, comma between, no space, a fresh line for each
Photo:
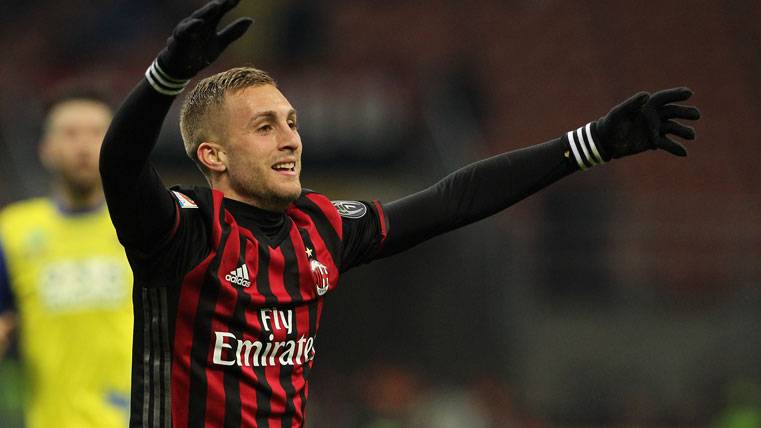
320,276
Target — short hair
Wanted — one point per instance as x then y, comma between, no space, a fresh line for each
207,96
75,92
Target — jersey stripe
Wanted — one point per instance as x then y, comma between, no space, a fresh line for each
292,278
199,354
185,321
247,386
330,236
217,377
308,327
329,211
314,309
146,357
280,257
190,293
277,405
233,374
166,360
324,250
264,391
155,359
153,365
291,379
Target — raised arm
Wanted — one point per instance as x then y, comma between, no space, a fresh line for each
640,123
141,209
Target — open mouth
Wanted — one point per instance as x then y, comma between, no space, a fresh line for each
286,167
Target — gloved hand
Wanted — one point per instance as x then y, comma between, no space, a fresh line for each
193,45
643,122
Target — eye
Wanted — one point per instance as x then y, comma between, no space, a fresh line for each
293,125
264,128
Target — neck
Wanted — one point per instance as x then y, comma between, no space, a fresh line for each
78,199
254,202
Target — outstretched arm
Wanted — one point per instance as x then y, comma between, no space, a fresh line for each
141,209
640,123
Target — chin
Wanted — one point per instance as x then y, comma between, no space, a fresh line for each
82,185
292,194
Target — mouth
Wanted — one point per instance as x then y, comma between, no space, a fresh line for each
285,168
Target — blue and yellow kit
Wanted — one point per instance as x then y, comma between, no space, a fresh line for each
67,279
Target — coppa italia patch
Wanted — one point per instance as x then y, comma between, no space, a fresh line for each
350,209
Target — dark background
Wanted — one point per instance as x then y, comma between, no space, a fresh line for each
625,296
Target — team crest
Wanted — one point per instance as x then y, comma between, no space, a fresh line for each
320,276
350,209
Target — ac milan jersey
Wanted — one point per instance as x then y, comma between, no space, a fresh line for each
226,316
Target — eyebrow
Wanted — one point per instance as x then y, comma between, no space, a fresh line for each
270,114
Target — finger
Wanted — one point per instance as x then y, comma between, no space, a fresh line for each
632,105
187,27
676,111
207,10
670,95
671,127
233,31
228,5
671,146
214,11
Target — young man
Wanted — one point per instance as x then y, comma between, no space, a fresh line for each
64,277
230,280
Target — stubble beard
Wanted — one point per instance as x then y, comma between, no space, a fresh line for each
254,187
79,188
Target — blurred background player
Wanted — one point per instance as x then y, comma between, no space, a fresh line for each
64,281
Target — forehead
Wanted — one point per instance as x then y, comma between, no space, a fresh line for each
79,112
256,99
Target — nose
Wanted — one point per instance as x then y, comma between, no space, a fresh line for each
88,141
289,139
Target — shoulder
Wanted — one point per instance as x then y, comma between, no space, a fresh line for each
26,212
347,209
317,207
313,202
25,222
186,196
26,206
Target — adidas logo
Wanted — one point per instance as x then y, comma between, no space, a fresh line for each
239,276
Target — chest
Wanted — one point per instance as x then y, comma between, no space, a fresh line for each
68,266
256,304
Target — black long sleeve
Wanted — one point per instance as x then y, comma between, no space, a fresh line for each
141,208
474,192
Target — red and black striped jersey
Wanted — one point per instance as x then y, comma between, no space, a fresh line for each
226,316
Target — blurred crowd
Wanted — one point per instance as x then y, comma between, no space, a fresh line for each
622,297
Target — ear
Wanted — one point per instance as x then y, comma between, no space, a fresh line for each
212,156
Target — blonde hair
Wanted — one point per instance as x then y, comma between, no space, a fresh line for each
201,104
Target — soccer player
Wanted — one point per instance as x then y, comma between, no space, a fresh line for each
230,280
65,279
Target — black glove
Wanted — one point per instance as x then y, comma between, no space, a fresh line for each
193,45
640,123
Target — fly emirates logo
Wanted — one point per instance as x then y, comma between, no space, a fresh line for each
230,350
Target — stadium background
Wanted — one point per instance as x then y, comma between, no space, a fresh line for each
626,296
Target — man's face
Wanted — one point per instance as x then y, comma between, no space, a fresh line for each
263,146
71,144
